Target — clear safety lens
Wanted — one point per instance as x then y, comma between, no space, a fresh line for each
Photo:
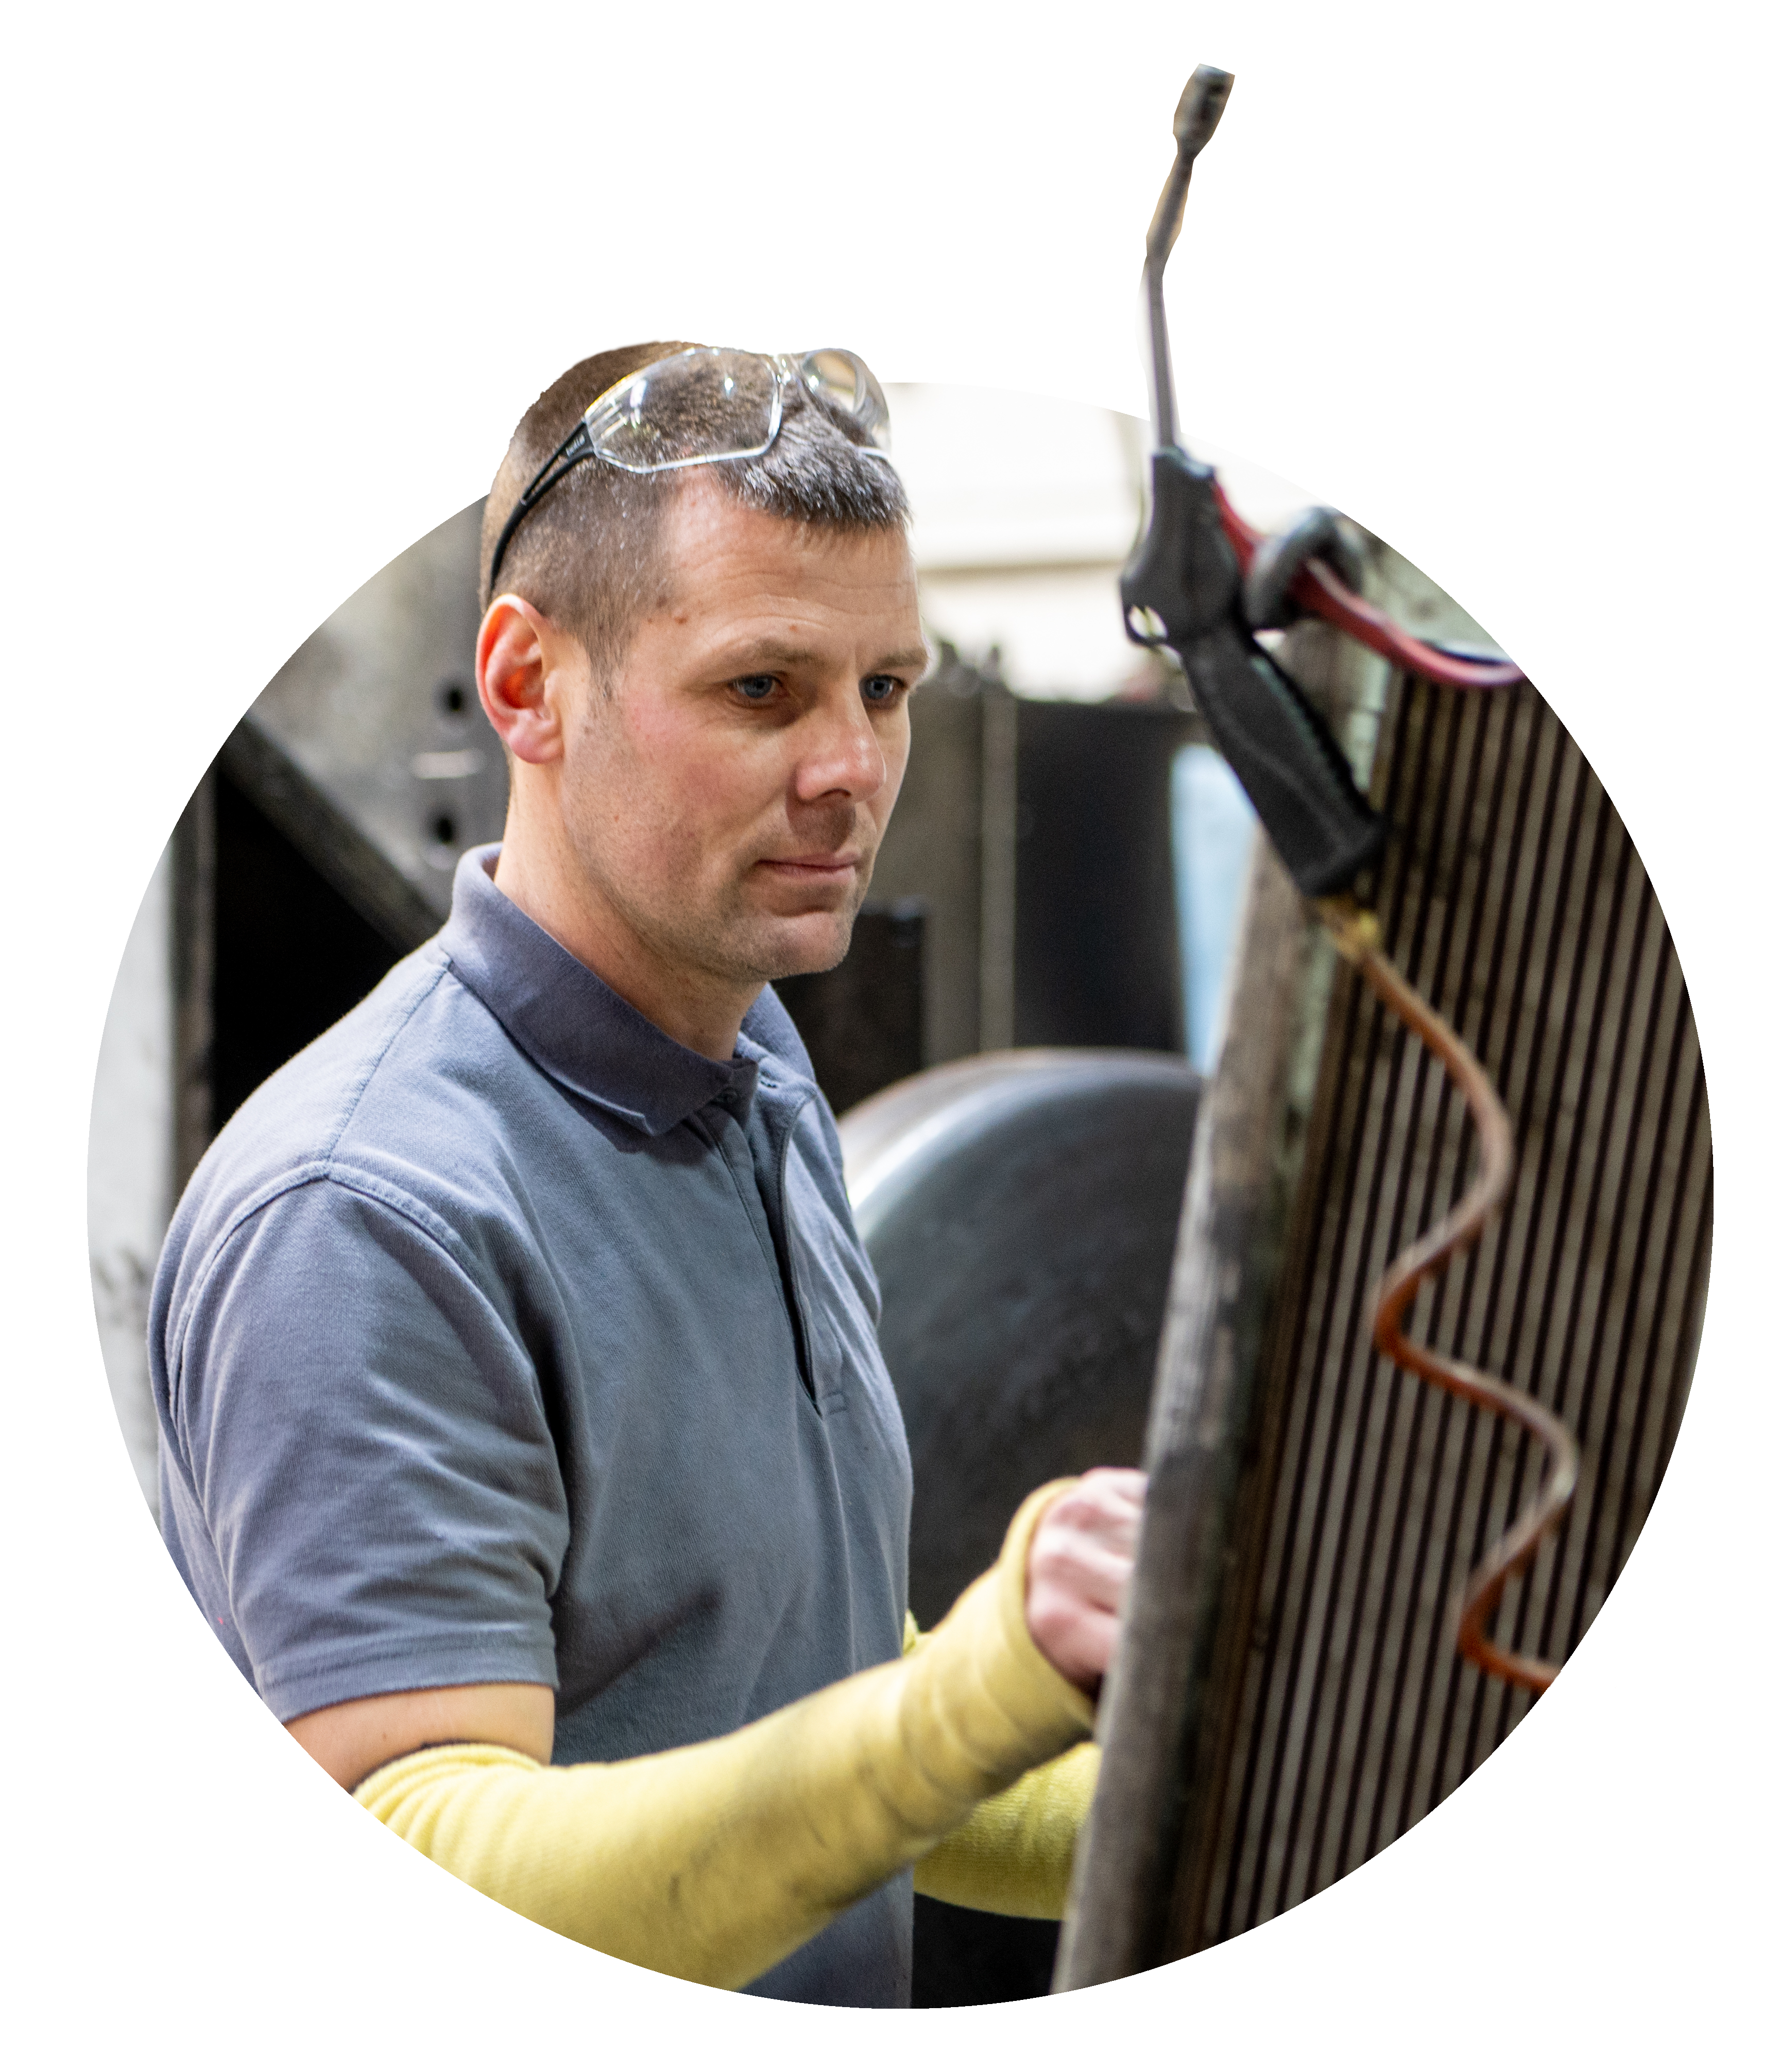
842,381
711,403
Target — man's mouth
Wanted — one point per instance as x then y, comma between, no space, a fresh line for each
815,866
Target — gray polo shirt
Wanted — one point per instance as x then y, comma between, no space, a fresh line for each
500,1338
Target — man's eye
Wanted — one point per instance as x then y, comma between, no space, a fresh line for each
755,689
879,690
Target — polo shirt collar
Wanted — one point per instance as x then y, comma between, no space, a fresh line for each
569,1021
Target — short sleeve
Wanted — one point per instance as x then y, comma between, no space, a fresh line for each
366,1489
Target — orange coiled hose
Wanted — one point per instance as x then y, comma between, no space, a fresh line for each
1356,935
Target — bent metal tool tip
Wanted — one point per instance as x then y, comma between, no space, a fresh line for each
1201,105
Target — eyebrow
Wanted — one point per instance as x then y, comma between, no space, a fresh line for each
782,654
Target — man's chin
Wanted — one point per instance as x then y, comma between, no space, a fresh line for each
811,943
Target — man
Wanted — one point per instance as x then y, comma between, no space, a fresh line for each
526,1438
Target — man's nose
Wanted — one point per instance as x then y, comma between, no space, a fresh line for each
842,755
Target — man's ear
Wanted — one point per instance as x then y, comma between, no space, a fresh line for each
521,660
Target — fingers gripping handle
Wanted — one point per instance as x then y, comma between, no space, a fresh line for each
1184,576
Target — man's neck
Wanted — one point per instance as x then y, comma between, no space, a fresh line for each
695,1009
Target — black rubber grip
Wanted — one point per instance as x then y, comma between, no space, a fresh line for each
1185,574
1294,775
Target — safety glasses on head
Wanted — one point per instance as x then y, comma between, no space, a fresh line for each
709,403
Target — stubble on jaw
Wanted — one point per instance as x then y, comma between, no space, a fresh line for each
751,949
732,941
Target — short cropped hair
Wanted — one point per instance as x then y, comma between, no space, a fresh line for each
589,556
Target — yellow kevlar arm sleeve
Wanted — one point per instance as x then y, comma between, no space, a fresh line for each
714,1862
1014,1853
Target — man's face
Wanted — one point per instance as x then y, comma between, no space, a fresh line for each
725,801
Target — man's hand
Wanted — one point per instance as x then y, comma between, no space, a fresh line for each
1077,1570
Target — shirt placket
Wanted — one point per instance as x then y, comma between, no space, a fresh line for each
767,1214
